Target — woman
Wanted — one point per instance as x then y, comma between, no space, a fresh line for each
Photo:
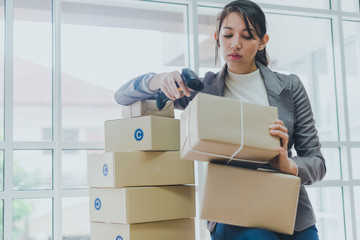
241,38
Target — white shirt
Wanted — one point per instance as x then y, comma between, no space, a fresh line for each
247,87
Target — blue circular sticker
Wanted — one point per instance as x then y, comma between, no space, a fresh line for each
105,170
119,238
97,204
139,134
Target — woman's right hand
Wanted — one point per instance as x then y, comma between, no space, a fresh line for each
166,82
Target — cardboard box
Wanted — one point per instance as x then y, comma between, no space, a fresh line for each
251,198
147,108
183,229
141,204
143,133
212,124
131,169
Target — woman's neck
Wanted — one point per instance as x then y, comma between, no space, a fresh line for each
243,70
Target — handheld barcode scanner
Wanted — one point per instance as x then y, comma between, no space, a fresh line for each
190,79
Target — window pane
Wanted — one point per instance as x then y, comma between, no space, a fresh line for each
355,156
350,5
2,43
103,46
352,55
32,219
1,170
357,209
322,4
1,219
32,69
328,206
333,166
75,218
311,59
74,168
207,21
32,169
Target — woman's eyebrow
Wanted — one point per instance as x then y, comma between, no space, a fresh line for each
230,28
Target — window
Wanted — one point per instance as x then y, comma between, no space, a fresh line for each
74,168
75,218
328,205
355,153
60,68
207,21
352,60
1,170
321,4
2,73
350,5
32,219
46,134
32,69
1,218
333,163
32,169
71,134
357,210
103,46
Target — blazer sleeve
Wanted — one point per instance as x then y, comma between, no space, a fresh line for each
135,90
309,159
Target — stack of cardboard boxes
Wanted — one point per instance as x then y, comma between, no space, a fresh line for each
222,130
140,188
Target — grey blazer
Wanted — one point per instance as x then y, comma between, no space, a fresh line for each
285,92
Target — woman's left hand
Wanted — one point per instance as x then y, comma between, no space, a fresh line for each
282,162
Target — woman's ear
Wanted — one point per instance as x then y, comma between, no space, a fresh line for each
216,37
263,42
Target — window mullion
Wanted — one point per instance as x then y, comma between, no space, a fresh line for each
56,118
8,119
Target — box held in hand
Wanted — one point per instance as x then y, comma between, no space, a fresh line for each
251,198
217,128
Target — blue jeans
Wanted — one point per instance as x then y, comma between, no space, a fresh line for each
229,232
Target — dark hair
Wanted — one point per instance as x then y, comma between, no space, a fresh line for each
250,12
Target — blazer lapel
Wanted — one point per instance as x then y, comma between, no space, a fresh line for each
217,86
278,96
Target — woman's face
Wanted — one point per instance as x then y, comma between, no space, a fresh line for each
237,47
